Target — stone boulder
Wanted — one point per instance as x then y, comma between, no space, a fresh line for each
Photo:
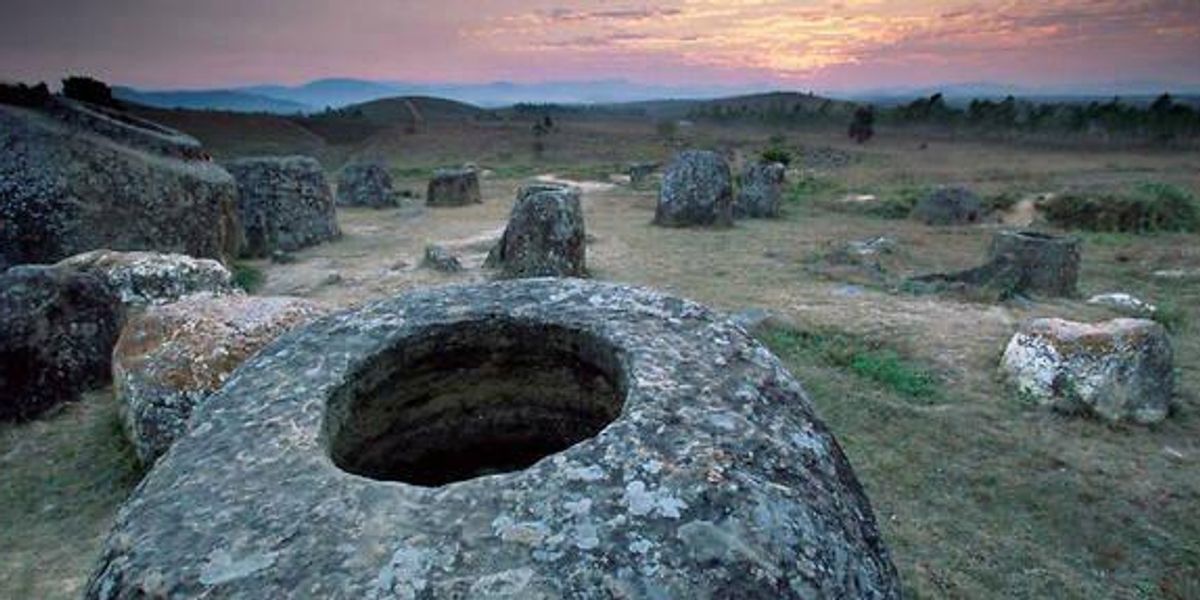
535,438
439,258
57,330
545,236
284,203
760,191
148,278
697,190
1119,370
171,358
454,187
949,205
76,177
365,184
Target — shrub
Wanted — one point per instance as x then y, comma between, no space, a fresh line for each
86,89
1147,207
667,128
19,94
777,155
898,204
247,277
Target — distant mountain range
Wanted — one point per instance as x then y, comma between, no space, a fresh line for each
319,95
316,96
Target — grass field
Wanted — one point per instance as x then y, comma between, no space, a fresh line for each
979,494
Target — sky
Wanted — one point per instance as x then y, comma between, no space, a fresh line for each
802,44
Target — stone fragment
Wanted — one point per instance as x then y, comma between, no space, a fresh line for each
949,205
545,236
760,191
365,184
147,278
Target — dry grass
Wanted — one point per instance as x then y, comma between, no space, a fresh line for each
979,494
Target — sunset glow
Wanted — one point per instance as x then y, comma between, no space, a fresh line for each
822,44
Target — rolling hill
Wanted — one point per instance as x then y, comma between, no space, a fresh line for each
224,100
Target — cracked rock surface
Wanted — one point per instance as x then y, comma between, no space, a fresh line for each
541,438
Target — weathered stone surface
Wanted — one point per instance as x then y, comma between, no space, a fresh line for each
146,278
57,330
1119,370
545,236
760,191
696,190
439,259
76,177
365,184
284,203
171,358
454,187
544,438
949,205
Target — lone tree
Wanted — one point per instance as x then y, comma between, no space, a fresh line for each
86,89
862,128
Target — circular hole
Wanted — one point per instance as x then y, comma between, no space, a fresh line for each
460,401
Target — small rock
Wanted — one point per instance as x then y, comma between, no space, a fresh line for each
1124,303
333,278
440,259
1178,274
1119,370
280,257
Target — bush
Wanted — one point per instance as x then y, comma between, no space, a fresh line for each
777,155
898,204
247,277
86,89
862,128
19,94
1145,208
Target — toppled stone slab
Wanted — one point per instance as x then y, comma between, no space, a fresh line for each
284,203
57,330
148,278
1019,263
545,236
949,205
1124,303
76,177
454,187
172,358
539,438
365,184
439,259
1119,370
760,191
697,190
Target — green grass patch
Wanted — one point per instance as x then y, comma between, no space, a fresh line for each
812,187
1141,208
896,204
864,358
248,278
